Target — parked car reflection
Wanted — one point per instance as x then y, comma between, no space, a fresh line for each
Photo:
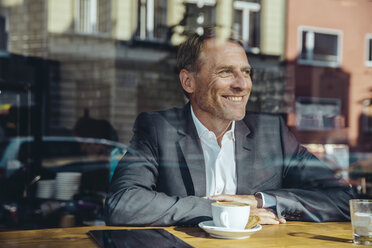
96,159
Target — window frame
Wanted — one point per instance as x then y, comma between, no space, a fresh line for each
329,31
209,3
93,11
368,50
205,2
146,28
246,8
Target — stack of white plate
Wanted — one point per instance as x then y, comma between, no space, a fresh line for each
67,185
45,189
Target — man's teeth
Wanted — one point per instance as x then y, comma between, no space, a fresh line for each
235,98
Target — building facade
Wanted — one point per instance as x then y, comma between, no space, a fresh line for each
328,54
117,58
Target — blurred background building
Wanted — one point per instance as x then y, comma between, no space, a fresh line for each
87,68
328,52
116,58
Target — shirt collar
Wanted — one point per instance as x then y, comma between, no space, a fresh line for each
201,129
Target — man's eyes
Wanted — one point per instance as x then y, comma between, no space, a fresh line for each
225,72
228,72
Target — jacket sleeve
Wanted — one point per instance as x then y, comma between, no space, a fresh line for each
133,198
310,190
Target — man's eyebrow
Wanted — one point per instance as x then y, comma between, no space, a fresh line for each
231,67
224,67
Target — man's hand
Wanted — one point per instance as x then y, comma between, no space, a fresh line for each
267,216
247,199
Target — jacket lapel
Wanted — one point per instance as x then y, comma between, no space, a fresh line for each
244,157
190,146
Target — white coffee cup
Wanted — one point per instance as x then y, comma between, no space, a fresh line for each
232,215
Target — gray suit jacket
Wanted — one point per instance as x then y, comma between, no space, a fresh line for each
162,180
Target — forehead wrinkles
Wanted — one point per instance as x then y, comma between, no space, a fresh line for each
205,60
215,55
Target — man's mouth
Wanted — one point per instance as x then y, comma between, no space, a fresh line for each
234,98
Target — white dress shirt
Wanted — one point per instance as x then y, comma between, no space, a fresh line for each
219,161
220,168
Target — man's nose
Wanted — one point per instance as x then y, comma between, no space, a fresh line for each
242,81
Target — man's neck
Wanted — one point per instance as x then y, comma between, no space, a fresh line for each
214,124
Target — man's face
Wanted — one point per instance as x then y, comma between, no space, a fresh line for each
223,83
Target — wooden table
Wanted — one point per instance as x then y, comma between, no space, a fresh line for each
291,234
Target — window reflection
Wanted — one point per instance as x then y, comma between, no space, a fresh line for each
3,34
152,20
320,47
75,74
368,50
247,23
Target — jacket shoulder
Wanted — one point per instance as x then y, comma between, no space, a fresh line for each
169,119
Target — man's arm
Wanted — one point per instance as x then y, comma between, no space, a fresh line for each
310,192
133,198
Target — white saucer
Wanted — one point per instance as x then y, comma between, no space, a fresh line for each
226,233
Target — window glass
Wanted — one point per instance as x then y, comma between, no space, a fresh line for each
325,47
198,17
160,19
86,18
367,116
254,30
152,21
247,22
238,17
3,34
320,48
75,75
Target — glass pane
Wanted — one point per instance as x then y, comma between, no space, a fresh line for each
103,15
325,47
160,22
237,26
367,116
319,47
254,29
303,46
197,17
141,20
17,115
3,34
93,16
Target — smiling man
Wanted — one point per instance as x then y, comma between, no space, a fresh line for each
219,89
212,149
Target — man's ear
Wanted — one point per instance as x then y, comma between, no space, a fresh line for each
187,81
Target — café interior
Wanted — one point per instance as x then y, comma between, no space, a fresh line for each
75,74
